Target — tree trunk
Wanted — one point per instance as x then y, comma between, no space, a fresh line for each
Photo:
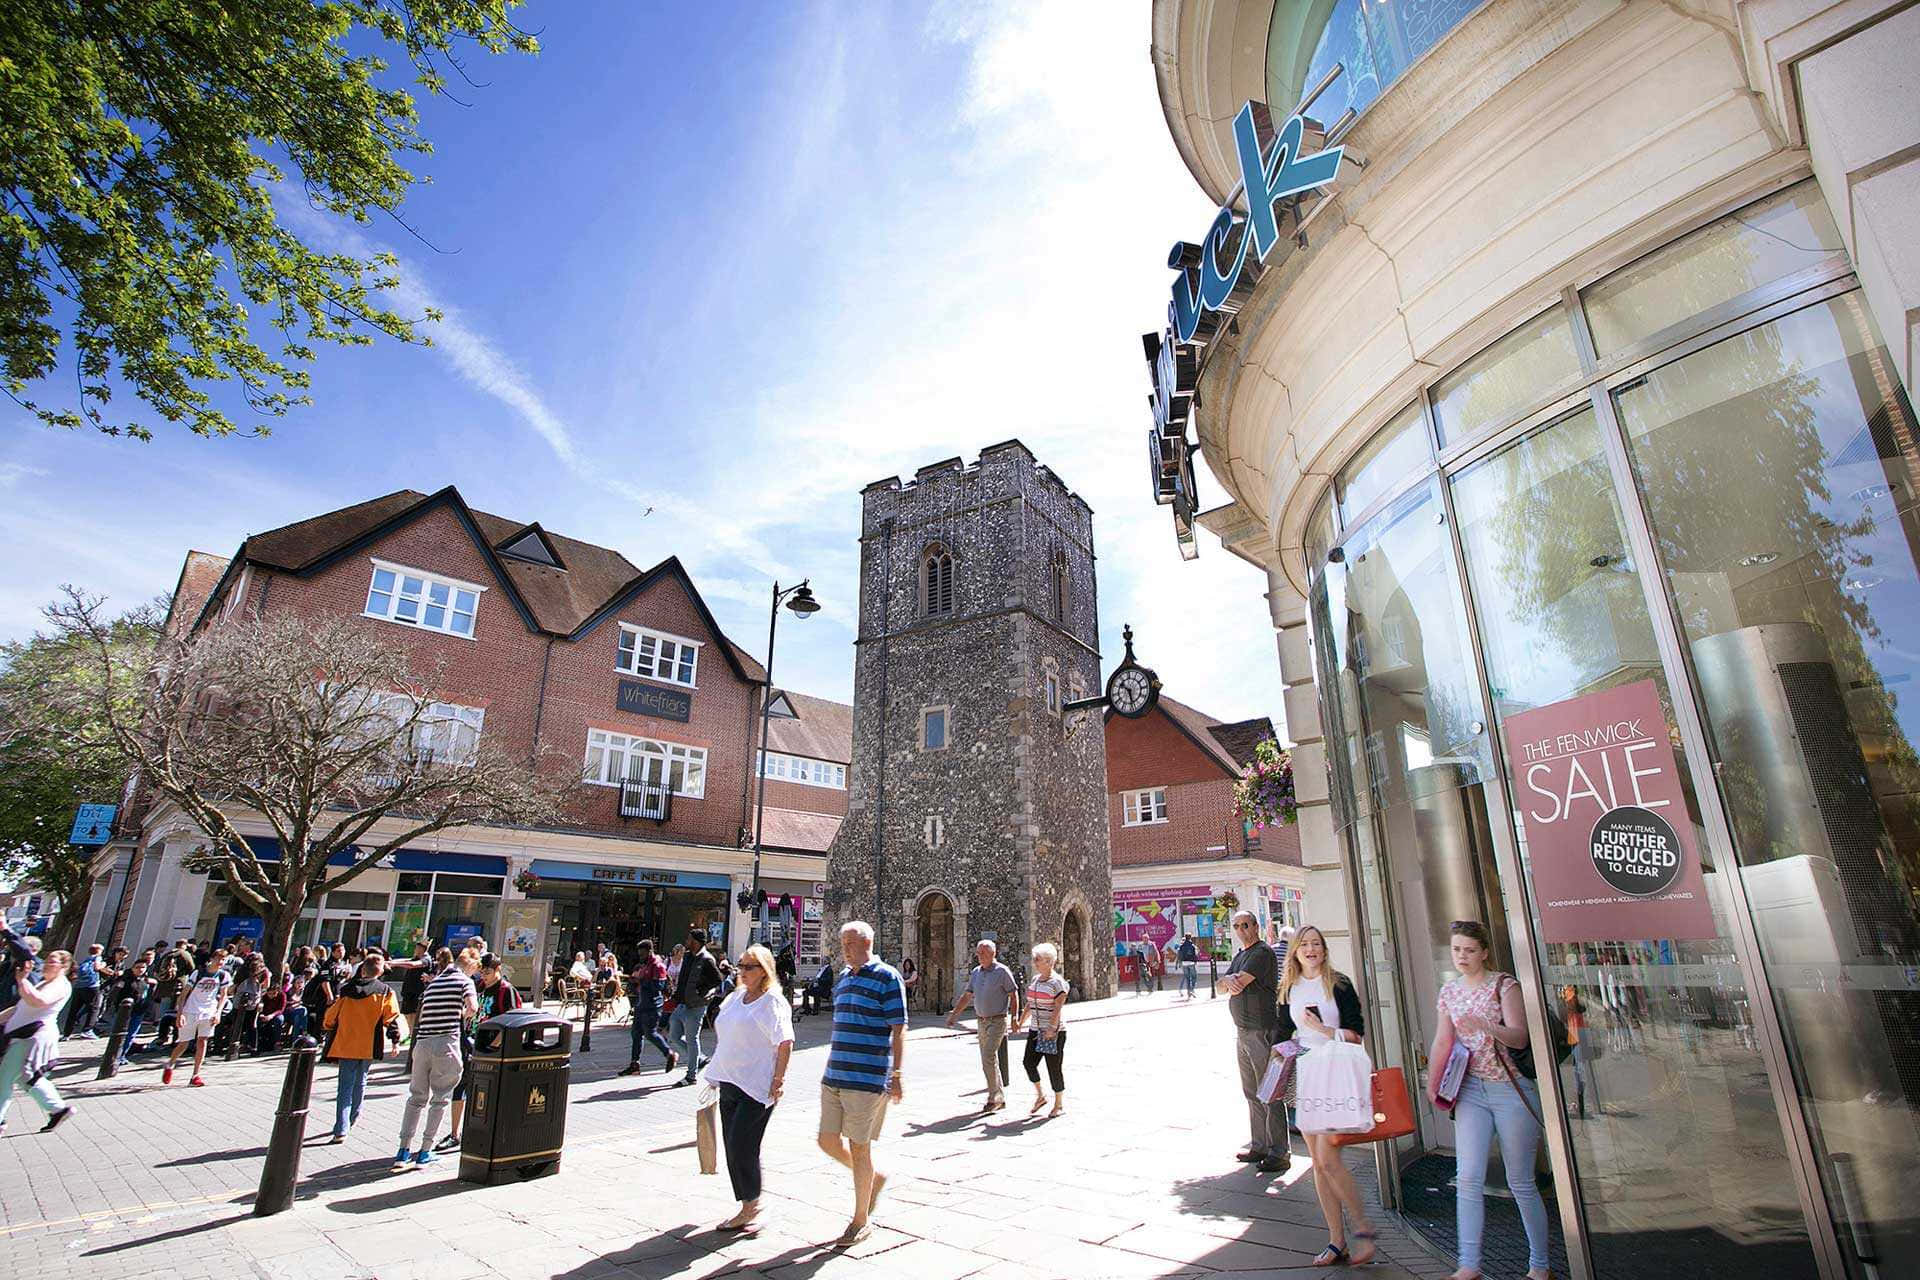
64,933
277,941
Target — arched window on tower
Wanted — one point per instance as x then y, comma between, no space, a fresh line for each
1060,601
936,582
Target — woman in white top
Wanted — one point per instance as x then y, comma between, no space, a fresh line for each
1046,1006
1318,1005
32,1031
753,1040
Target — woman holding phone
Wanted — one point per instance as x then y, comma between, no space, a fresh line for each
1317,1005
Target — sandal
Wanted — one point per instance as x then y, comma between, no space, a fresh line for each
1331,1256
1369,1237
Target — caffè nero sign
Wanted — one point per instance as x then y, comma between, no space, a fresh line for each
1608,837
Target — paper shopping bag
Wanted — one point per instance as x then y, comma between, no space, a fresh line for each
706,1132
1392,1110
1333,1089
1273,1085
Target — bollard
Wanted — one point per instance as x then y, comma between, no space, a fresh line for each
1213,974
110,1060
586,1031
281,1173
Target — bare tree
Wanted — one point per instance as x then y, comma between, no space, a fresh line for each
333,739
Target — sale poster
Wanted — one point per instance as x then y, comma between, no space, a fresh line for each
1612,849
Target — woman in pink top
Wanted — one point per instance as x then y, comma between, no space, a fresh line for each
1482,1010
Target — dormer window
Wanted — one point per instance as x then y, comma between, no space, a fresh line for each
936,582
532,546
658,655
425,600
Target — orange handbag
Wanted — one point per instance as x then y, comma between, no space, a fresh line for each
1392,1110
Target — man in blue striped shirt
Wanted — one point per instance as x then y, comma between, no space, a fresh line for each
868,1046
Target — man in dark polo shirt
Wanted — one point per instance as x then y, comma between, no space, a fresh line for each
1253,983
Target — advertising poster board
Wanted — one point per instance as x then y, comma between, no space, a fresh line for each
229,927
523,929
1611,845
407,929
456,933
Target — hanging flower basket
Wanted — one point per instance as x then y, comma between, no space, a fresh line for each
1228,901
527,882
1264,795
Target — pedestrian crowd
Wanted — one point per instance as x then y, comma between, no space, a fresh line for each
1291,1011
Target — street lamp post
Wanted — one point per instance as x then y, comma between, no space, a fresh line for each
802,605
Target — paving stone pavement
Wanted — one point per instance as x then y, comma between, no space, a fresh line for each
1137,1179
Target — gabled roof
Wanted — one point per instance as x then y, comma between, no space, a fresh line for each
586,585
199,576
819,728
1230,743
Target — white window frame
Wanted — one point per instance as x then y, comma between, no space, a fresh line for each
1146,807
805,770
628,657
444,732
423,600
611,756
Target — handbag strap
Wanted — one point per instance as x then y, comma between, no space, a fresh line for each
1501,1052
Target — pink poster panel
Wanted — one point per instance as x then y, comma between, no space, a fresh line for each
1612,848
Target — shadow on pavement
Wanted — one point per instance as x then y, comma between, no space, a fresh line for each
238,1153
418,1193
177,1233
796,1263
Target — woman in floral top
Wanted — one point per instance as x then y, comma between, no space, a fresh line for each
1481,1009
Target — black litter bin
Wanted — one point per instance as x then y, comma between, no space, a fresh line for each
517,1100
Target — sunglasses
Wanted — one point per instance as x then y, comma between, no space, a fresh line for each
751,965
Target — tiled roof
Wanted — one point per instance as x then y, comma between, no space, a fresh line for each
1230,744
560,600
198,577
824,730
806,832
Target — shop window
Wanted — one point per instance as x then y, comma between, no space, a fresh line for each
417,599
1144,807
657,655
1769,240
1395,452
1513,375
933,729
614,757
936,582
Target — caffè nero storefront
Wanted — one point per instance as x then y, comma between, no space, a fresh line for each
1588,489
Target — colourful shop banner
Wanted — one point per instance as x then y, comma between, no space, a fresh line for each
1165,895
1612,848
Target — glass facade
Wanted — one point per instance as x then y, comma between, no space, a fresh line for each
1371,43
1689,490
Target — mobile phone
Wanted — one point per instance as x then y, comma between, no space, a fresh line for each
1314,1009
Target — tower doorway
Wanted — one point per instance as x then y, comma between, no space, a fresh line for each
936,958
1073,950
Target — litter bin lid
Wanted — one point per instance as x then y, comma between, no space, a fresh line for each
524,1018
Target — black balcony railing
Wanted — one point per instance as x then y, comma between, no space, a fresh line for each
651,800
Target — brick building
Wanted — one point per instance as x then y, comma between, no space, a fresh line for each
547,645
972,812
1179,851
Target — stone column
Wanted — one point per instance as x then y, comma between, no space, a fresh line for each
1320,851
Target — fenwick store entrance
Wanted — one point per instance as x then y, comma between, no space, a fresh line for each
1631,676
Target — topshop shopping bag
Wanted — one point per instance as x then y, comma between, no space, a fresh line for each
1333,1089
1392,1110
706,1129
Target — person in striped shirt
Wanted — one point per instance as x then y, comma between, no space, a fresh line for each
864,1057
444,1007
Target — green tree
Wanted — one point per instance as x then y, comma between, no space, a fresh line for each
143,146
52,760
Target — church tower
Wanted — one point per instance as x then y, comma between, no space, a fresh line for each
971,811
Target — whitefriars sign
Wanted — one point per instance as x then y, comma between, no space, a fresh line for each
1215,277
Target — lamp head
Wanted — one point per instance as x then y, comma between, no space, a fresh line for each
803,602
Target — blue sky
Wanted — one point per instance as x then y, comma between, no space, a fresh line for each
732,263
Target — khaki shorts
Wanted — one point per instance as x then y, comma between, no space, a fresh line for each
854,1114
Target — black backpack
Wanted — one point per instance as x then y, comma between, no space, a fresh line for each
1562,1045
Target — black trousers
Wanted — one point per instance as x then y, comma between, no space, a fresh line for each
743,1122
82,1009
1056,1062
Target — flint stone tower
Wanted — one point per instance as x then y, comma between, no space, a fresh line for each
970,812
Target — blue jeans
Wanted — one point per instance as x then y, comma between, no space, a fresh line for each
296,1022
133,1028
350,1093
1189,976
1484,1107
684,1030
646,1030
